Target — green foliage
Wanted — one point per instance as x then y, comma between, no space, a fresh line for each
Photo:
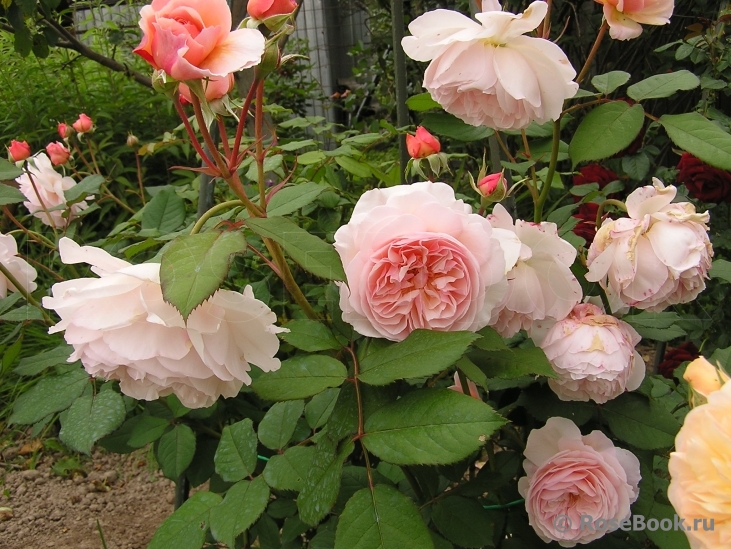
700,137
310,335
278,425
463,521
175,451
186,528
244,503
301,377
605,131
607,83
663,85
235,456
91,417
51,394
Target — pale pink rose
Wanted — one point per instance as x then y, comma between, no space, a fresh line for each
18,267
422,144
416,257
121,328
594,355
18,151
192,39
657,257
489,73
569,475
541,285
700,471
48,192
261,9
58,153
83,124
624,16
214,88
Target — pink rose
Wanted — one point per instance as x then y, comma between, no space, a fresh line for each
121,328
83,124
593,354
261,9
18,151
44,188
58,153
541,285
192,39
64,130
422,144
657,257
215,88
624,16
493,186
18,267
570,476
416,257
490,73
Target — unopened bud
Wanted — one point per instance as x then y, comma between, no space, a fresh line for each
269,61
704,377
493,187
132,141
18,150
422,144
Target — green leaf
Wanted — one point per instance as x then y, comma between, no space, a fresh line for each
490,340
51,394
321,486
288,471
22,313
663,85
512,363
175,451
165,212
312,253
607,83
700,137
353,166
450,126
318,409
8,172
605,131
9,195
637,166
422,353
244,503
34,365
310,157
300,377
720,269
90,418
657,326
468,368
291,199
463,521
186,528
640,422
430,426
118,441
542,403
381,519
195,266
85,187
310,335
146,430
235,456
278,424
422,102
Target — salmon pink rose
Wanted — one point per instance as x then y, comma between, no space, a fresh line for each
214,88
18,267
416,257
261,9
65,130
624,16
83,124
18,151
192,39
422,144
489,73
58,153
570,476
121,329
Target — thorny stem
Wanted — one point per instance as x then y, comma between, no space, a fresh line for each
224,137
361,429
259,157
538,216
213,211
594,49
31,234
90,144
25,293
83,158
288,279
266,260
191,133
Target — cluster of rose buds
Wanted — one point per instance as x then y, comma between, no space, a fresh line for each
59,153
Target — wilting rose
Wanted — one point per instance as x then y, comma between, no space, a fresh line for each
83,124
569,475
540,285
18,267
416,257
121,328
700,486
192,39
18,151
489,73
48,192
675,357
704,377
626,16
658,256
704,182
64,130
214,88
594,356
261,9
594,173
58,153
422,144
586,228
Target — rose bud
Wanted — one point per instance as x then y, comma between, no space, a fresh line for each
423,144
132,141
58,153
704,377
83,124
261,9
64,130
494,187
18,150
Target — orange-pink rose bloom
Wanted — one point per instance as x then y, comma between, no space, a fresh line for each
624,16
261,9
192,39
58,153
83,124
422,144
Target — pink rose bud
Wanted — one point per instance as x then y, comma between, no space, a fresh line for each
423,144
704,377
261,9
83,124
58,153
18,150
493,186
215,88
64,130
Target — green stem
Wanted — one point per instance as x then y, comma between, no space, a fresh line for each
538,216
258,135
288,280
608,202
25,293
594,49
213,211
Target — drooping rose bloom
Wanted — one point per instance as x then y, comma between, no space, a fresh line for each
48,192
489,73
594,356
214,88
18,267
704,182
674,357
58,153
626,17
83,124
261,9
416,257
192,39
121,328
569,475
700,471
18,150
658,256
541,285
422,144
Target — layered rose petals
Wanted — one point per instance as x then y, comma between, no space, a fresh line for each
17,266
626,17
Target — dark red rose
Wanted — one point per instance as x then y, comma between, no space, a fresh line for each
704,182
586,228
594,173
675,357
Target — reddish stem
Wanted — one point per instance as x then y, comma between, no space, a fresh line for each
191,134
